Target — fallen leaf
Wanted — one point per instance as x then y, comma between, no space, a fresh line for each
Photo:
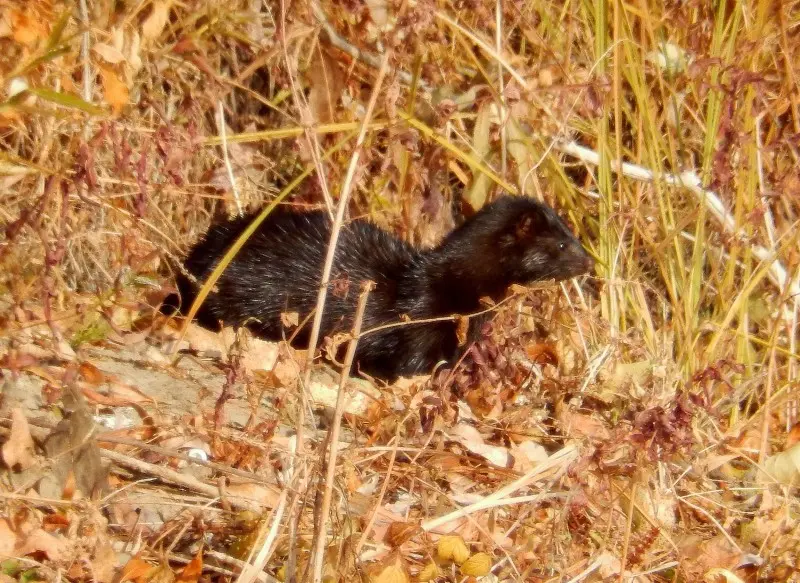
104,563
392,574
137,570
430,572
19,449
698,556
40,541
91,374
8,539
115,91
542,353
378,12
326,84
721,576
154,24
785,466
26,28
192,571
73,449
108,53
260,495
400,532
577,424
469,437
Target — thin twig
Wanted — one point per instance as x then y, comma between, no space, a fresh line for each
87,70
301,103
176,478
337,224
223,136
333,436
381,495
222,468
559,460
252,571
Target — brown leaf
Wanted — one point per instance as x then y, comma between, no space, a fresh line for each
698,557
154,24
91,374
793,436
115,91
326,83
576,424
462,329
8,539
26,28
19,449
40,541
290,319
74,450
108,53
104,563
400,532
137,570
542,353
258,494
192,571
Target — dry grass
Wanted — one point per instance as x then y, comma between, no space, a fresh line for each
676,370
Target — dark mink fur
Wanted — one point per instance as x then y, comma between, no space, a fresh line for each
512,240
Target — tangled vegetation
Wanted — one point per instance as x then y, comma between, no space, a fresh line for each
638,425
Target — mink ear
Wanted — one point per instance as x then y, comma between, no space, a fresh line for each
526,226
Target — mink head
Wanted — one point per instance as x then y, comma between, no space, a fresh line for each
518,240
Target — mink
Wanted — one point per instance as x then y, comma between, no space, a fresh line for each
511,240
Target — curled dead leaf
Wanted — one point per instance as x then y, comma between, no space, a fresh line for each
192,571
542,353
785,466
400,532
40,541
19,449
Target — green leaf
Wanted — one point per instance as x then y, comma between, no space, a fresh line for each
67,100
58,30
47,56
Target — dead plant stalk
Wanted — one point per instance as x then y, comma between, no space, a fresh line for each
333,435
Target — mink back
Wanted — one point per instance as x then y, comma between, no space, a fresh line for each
278,270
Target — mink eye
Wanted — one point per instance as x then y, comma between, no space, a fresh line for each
562,246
